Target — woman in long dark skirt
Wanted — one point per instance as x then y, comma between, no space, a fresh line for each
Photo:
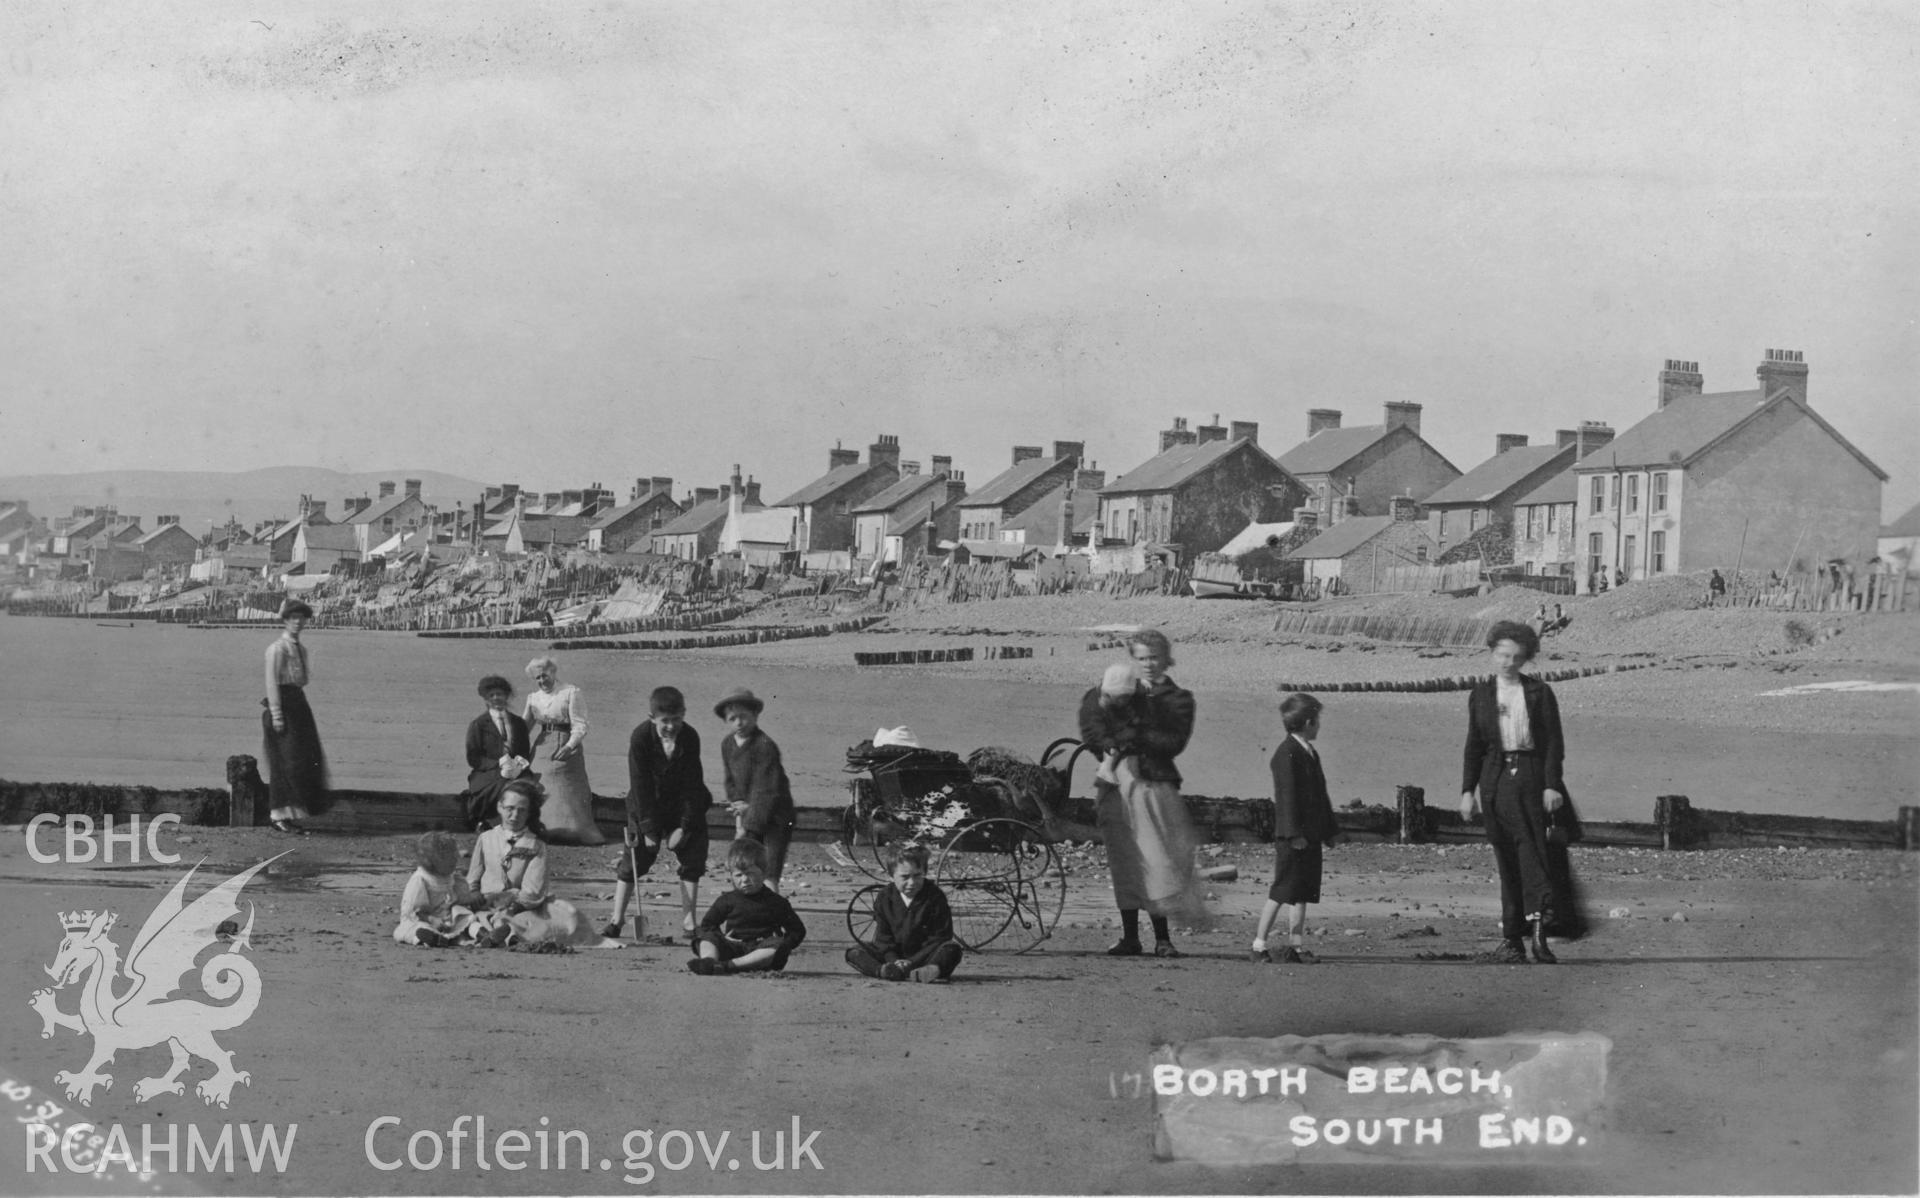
296,765
1512,777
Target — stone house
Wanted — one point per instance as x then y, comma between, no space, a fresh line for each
168,544
694,535
321,547
374,521
1353,556
1724,479
1485,495
1077,500
1012,491
633,523
1358,471
1193,496
825,505
912,516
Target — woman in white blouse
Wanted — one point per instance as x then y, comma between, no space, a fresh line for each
556,716
509,870
296,765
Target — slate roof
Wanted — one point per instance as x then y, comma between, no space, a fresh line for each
1344,537
1331,448
331,536
143,540
378,508
554,530
1906,526
906,490
1165,471
698,518
1499,474
1008,483
1681,431
826,484
1043,517
1561,488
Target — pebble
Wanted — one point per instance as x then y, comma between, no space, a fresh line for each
1619,912
1677,917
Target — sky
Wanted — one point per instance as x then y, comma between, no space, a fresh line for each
564,244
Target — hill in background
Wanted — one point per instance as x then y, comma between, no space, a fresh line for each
203,496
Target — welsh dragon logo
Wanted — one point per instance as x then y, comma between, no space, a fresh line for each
145,1014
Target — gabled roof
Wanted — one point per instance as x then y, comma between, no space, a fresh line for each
1043,517
698,518
331,536
826,484
906,490
907,517
1009,483
1331,448
1167,470
1906,526
1344,537
143,540
1561,488
609,519
379,508
1692,424
1496,476
553,530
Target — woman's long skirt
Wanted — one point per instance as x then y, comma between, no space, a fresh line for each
1150,844
567,812
296,764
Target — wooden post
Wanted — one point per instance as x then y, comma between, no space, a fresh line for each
1412,802
246,793
1909,824
1673,814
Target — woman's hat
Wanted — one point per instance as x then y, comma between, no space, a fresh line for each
742,697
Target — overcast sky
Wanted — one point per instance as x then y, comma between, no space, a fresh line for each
559,244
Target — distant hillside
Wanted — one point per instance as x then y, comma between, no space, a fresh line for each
200,496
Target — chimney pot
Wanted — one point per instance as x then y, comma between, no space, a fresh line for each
1783,370
1679,378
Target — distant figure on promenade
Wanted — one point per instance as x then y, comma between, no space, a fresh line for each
1143,819
296,764
1511,777
1716,586
557,711
1619,577
498,751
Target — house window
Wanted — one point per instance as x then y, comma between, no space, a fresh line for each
1553,516
1473,520
1593,554
1626,554
1599,494
1633,493
1420,554
1657,551
1443,527
1660,492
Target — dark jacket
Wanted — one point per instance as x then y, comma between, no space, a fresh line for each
1154,726
902,929
756,777
1301,807
664,793
485,746
1480,764
755,918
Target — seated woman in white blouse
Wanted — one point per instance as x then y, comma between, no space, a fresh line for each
509,869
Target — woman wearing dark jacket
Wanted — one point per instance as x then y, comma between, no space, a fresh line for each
1511,777
494,736
1143,819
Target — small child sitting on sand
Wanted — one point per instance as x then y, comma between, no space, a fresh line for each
436,910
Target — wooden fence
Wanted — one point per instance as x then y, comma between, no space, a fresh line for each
1460,576
1820,590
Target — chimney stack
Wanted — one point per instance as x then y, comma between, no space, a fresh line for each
1400,412
1404,508
1680,378
956,486
1783,370
1319,419
1025,453
1591,435
1089,479
1179,434
838,457
1063,450
386,488
1245,430
753,493
942,464
885,452
908,468
1505,441
705,495
413,486
1306,518
1211,432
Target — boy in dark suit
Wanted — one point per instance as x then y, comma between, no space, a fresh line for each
1302,823
912,926
667,802
495,736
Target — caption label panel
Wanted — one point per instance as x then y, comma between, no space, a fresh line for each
1354,1099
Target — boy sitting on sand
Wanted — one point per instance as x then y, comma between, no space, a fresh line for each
750,927
912,926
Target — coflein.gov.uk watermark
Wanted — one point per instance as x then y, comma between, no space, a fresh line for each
467,1145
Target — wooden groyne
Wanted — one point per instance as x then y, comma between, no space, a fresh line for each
1411,630
1676,824
683,620
733,636
1425,686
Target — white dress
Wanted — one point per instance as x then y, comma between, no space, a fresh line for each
507,879
442,905
553,721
